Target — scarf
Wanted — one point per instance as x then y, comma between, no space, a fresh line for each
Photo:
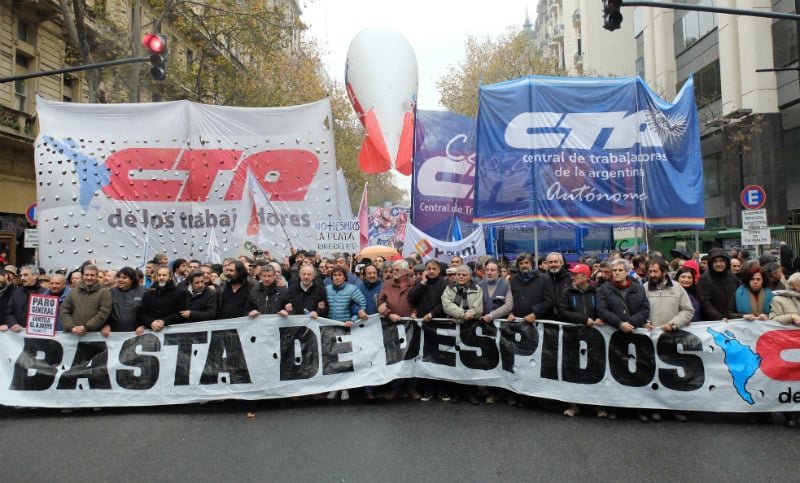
756,301
623,284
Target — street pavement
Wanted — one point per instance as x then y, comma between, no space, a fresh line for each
393,441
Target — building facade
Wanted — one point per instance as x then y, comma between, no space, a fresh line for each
33,37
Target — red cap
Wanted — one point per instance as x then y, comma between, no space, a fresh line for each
693,266
581,268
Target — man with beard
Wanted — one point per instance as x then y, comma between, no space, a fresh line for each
267,297
235,292
126,298
16,314
371,288
533,292
202,299
393,301
716,288
560,276
162,304
87,306
306,296
670,307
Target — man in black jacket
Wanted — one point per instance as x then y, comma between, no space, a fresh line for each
267,297
716,288
558,273
126,298
202,299
623,303
306,296
533,292
16,315
578,303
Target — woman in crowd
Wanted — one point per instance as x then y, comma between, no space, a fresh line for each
342,296
752,297
686,279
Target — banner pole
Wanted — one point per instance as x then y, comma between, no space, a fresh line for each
536,246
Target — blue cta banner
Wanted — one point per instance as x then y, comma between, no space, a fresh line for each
587,152
444,173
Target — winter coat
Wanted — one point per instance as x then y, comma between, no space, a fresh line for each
230,304
163,303
371,292
267,299
125,306
577,306
395,295
497,298
86,306
784,304
743,301
61,298
562,280
534,294
458,299
427,297
614,306
716,290
340,300
304,301
203,306
17,310
669,303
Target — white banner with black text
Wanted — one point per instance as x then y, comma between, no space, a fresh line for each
710,366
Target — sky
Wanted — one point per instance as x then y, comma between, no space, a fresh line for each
436,29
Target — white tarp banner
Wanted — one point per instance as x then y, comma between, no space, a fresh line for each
715,366
429,248
121,182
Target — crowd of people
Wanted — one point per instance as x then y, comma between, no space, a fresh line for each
623,291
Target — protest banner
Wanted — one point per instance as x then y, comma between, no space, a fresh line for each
120,182
338,236
429,248
42,314
587,152
736,366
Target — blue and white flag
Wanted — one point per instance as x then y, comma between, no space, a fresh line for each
588,152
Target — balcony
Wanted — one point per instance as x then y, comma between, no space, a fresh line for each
558,32
578,59
16,124
576,18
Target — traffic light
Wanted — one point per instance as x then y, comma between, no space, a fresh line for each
157,46
612,17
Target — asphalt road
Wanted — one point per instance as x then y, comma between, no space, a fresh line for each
385,441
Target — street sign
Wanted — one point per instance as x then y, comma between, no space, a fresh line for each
30,214
753,197
755,230
31,238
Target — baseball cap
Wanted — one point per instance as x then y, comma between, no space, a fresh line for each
581,268
451,271
11,269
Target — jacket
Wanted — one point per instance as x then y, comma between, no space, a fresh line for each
395,295
233,304
784,304
202,306
125,306
562,281
669,303
533,294
371,292
614,307
86,306
427,298
716,290
267,299
577,306
304,301
17,310
340,300
164,303
458,299
61,298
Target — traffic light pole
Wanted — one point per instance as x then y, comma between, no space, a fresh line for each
78,68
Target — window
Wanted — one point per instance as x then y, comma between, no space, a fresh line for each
690,27
20,87
711,186
640,56
23,31
707,85
784,43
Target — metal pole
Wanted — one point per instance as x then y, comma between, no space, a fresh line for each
111,63
706,8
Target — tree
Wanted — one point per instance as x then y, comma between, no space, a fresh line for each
508,56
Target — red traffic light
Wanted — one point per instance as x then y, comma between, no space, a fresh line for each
155,44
